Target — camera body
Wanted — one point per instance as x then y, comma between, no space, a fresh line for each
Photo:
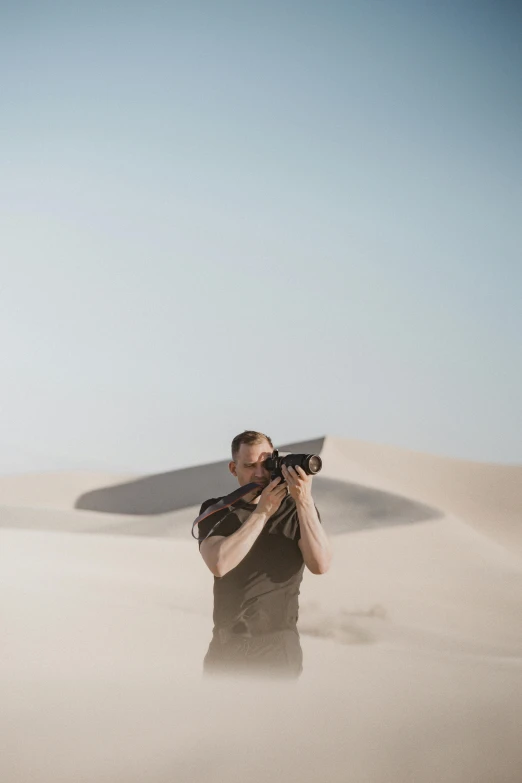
310,463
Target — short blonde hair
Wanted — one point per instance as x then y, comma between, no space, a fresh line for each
250,437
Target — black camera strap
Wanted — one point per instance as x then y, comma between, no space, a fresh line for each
225,502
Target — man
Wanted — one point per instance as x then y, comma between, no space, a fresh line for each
257,554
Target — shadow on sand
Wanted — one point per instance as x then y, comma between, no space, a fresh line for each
172,491
163,504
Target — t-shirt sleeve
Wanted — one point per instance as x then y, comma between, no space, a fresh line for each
221,523
298,528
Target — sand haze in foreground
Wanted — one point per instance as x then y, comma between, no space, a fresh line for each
412,642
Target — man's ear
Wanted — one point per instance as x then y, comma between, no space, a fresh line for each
232,468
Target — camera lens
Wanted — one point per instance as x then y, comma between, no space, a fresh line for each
315,464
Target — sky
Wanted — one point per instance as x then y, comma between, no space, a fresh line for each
302,218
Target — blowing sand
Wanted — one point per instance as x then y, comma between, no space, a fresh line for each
412,642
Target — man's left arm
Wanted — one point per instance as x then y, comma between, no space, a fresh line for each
314,543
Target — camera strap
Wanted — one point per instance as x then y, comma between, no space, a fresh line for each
225,502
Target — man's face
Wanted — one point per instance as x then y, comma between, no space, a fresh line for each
248,465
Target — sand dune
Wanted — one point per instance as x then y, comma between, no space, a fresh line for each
52,490
412,642
488,496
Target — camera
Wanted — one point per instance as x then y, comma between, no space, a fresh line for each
310,463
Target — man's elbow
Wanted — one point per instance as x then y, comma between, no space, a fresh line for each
215,568
320,567
213,560
218,567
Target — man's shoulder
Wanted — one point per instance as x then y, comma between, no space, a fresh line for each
207,503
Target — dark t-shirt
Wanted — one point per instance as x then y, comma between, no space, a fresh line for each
260,594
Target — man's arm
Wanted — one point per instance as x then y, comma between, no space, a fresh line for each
314,543
223,553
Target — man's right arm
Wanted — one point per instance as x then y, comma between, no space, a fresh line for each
223,553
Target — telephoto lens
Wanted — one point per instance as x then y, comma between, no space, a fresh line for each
310,463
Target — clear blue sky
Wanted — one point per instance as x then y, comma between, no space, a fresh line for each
303,218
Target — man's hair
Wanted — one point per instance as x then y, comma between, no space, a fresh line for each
250,437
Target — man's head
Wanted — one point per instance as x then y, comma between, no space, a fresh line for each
249,451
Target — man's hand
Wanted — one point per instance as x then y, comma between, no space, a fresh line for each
271,497
299,483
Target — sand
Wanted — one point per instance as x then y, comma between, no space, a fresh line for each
412,641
